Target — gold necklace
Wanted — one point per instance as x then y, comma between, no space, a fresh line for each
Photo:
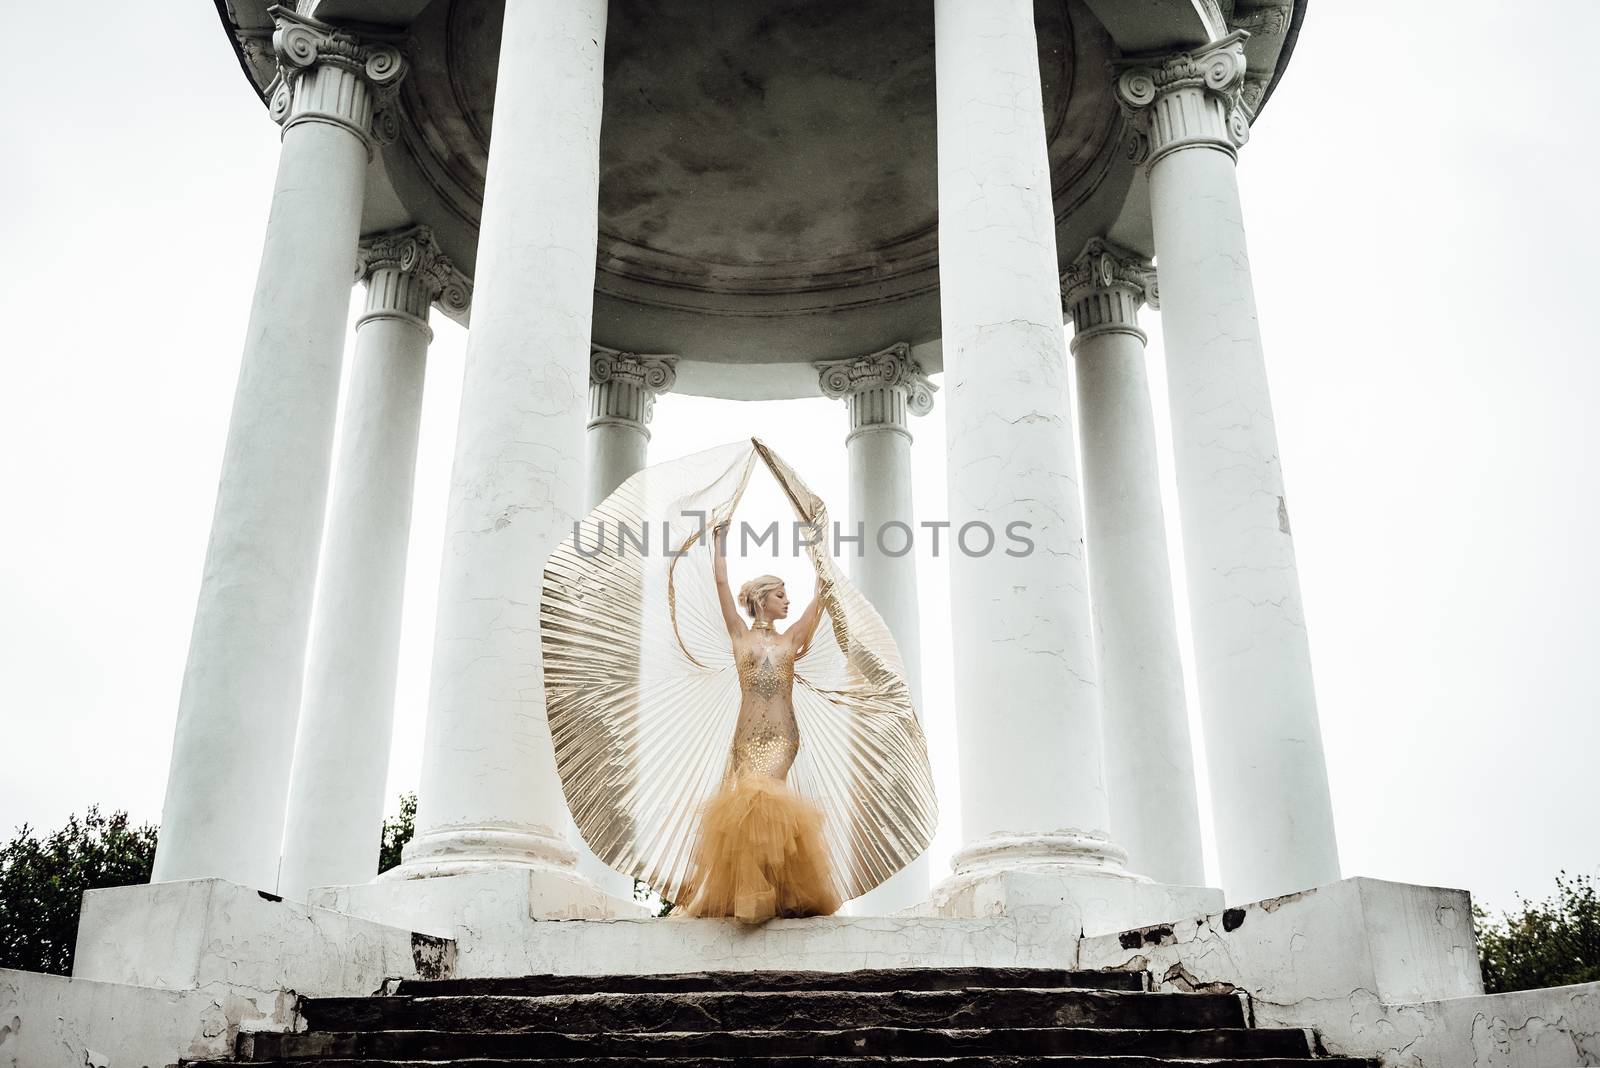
761,624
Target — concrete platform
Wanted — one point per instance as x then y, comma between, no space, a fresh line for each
1378,969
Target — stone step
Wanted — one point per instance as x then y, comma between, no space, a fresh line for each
866,1042
794,1010
985,1061
881,979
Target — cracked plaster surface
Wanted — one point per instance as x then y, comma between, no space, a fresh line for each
1358,961
51,1021
211,956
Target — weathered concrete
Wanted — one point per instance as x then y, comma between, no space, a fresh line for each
493,918
1400,942
50,1021
1082,901
1554,1028
227,940
1377,968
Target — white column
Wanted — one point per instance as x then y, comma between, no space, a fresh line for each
224,808
1269,782
341,763
1027,710
489,796
882,391
622,397
1149,759
623,387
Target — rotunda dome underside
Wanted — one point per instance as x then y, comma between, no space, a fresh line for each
768,170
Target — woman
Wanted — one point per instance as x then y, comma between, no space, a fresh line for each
760,852
734,768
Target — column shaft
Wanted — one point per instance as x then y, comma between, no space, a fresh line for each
1269,784
616,452
882,391
489,795
622,391
341,764
234,739
1155,814
1027,711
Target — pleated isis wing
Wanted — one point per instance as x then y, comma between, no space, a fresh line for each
642,694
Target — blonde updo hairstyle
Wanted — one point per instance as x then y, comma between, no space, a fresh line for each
755,591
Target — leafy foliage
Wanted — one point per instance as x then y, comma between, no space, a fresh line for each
42,880
1554,942
42,883
649,896
397,831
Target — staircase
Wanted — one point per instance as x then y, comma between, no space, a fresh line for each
916,1018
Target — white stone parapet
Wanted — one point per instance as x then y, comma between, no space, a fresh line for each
1269,781
1149,759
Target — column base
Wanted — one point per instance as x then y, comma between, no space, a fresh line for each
466,849
1070,878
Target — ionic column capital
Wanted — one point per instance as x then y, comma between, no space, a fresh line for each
623,387
1188,99
1103,288
406,273
330,75
882,388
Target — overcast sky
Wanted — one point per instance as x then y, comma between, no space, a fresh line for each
1422,218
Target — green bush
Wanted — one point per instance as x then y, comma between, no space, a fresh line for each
42,880
1555,942
42,883
397,831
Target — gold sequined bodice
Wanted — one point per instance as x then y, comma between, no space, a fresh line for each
766,738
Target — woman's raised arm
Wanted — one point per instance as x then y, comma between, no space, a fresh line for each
806,625
719,568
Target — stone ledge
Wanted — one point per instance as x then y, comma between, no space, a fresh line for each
50,1021
823,943
1091,903
1374,966
505,899
1401,942
1557,1027
218,937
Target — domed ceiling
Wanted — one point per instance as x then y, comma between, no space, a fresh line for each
768,169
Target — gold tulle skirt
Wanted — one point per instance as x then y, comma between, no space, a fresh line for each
759,853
